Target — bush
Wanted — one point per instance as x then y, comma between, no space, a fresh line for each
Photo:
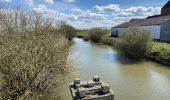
96,34
134,43
109,41
68,31
160,52
33,57
86,38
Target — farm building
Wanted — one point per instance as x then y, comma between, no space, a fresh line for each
158,25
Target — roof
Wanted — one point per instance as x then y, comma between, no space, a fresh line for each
154,16
144,22
167,5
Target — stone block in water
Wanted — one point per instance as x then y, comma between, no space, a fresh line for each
82,92
91,90
105,88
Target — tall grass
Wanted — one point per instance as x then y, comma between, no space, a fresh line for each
33,57
134,42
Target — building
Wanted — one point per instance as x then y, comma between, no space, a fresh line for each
158,25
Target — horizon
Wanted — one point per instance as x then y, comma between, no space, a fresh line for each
86,14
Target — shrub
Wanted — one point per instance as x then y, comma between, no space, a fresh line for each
33,57
134,43
86,38
68,31
20,22
109,41
96,34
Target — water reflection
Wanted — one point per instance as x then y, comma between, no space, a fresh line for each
115,57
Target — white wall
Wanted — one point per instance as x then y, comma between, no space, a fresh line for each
154,29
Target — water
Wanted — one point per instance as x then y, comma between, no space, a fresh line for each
129,79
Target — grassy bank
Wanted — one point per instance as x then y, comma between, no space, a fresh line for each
136,44
160,52
81,34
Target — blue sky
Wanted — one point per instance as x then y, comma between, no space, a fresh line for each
90,13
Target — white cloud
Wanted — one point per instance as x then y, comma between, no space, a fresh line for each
111,15
72,17
119,15
49,1
92,16
143,11
76,10
111,7
57,16
138,12
98,16
70,1
42,9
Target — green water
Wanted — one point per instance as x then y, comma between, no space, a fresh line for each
130,80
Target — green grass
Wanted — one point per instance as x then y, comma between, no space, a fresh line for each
160,46
160,52
82,33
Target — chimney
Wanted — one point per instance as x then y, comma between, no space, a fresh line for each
166,9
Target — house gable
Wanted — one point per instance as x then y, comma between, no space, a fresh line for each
166,9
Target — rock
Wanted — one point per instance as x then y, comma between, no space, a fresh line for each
90,84
105,88
96,79
82,92
76,81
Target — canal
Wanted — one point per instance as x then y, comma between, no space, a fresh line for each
130,80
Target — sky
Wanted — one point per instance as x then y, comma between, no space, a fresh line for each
85,14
